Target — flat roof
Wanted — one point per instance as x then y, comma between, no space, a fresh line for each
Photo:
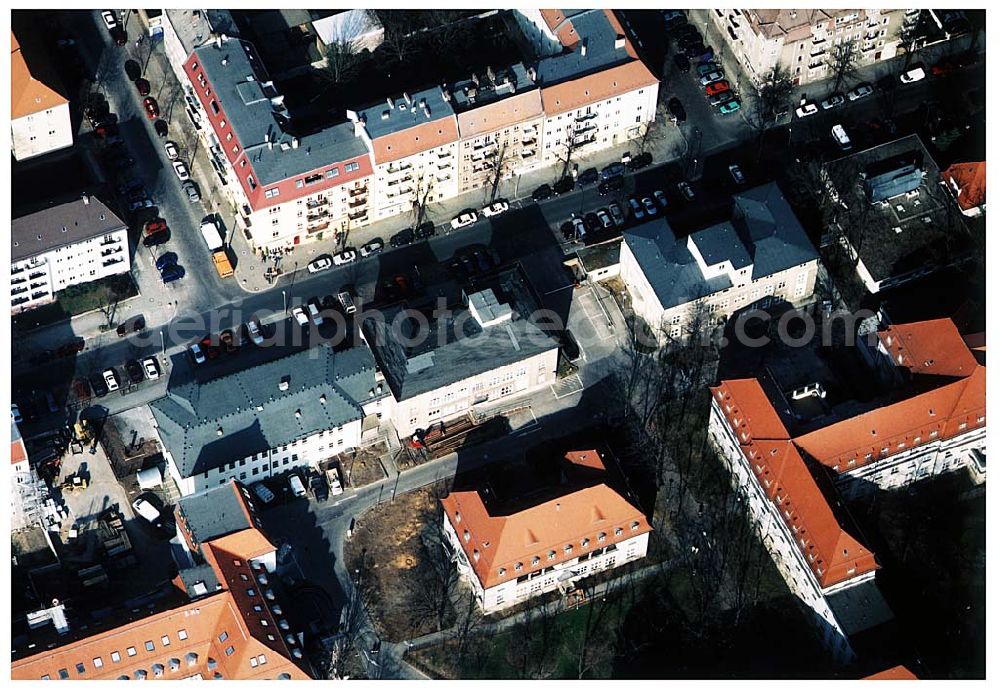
396,114
61,225
196,27
595,30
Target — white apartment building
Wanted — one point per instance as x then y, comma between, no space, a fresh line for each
488,350
801,40
761,256
39,113
285,414
64,245
509,557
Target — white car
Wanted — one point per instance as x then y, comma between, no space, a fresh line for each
806,109
860,92
495,209
914,75
173,153
253,327
145,509
345,257
579,227
319,264
181,170
737,174
111,379
711,77
152,371
463,220
832,101
840,137
372,248
300,316
110,21
314,315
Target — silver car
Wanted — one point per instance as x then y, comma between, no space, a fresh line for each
616,214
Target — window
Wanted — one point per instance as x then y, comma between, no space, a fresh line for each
273,192
223,637
261,660
253,661
214,106
230,650
350,167
150,646
251,182
568,548
299,184
116,657
518,566
601,536
333,172
313,179
98,662
165,640
618,532
80,669
63,674
251,592
552,555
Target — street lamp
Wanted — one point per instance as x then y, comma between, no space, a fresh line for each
163,345
284,300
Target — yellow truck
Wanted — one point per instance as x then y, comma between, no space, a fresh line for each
210,232
222,264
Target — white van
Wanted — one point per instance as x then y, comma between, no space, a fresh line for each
840,137
295,485
345,300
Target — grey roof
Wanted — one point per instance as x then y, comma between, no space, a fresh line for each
215,512
196,27
517,82
592,26
860,608
381,119
61,225
767,230
600,256
254,415
456,347
203,573
253,110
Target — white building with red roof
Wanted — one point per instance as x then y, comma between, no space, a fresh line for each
510,556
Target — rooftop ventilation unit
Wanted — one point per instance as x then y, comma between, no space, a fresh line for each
487,310
283,384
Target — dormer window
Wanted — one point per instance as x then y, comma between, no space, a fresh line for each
475,555
618,532
552,555
535,560
601,536
502,571
568,548
466,535
458,517
635,525
585,542
518,566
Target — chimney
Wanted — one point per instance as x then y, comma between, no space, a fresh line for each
530,72
490,75
427,111
423,103
295,142
406,97
85,197
218,42
475,79
225,61
224,38
283,384
270,144
619,42
445,95
388,100
583,48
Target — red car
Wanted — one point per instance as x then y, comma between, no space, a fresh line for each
945,66
155,226
716,88
143,87
152,109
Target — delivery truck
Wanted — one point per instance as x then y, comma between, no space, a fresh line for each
210,232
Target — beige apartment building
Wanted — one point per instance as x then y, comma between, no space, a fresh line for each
801,40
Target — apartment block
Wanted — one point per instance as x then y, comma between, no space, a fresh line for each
263,421
509,553
64,245
39,112
801,40
759,257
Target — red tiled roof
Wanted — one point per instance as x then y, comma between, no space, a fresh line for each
597,515
970,181
894,673
17,452
599,86
413,140
832,553
500,114
590,459
28,95
561,27
931,347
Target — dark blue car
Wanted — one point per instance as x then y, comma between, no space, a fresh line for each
167,259
171,273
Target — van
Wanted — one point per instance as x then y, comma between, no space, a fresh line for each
295,485
145,508
345,300
840,137
263,493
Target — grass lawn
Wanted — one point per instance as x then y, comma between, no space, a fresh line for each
77,300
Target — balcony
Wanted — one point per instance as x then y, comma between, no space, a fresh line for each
111,262
527,141
815,65
18,290
358,191
394,168
442,178
585,117
580,128
16,271
109,240
316,204
527,153
359,202
817,52
39,284
316,229
444,154
35,275
358,215
19,280
444,166
39,294
400,181
579,141
112,251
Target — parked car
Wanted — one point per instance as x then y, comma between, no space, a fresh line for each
579,228
372,247
99,386
227,340
832,101
611,185
347,302
404,237
145,203
136,324
263,493
637,211
729,107
346,257
160,127
685,189
110,20
914,74
641,161
300,316
660,198
495,209
424,231
170,147
192,191
860,92
564,185
839,135
181,170
721,98
151,368
682,63
541,193
142,86
616,214
466,218
613,170
716,88
295,486
149,507
318,488
676,109
588,177
134,371
110,379
253,329
152,108
737,173
319,264
707,68
712,77
605,218
806,109
650,206
172,273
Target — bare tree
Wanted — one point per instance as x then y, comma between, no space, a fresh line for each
430,593
569,145
397,38
655,130
422,188
842,62
107,298
909,34
767,99
342,61
499,162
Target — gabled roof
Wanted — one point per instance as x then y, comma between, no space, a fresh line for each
833,554
930,347
521,542
414,122
894,673
215,512
501,113
771,229
968,182
18,453
29,94
206,425
61,225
